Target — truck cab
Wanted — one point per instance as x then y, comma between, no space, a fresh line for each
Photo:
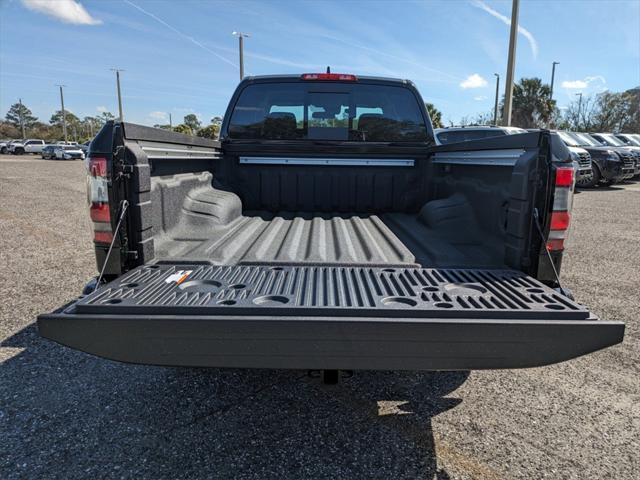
327,230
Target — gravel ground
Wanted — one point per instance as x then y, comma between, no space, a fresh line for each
65,414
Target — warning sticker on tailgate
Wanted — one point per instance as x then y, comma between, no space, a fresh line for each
178,277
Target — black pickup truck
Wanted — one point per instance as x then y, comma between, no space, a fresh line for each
326,230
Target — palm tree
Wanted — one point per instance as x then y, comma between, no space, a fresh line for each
532,107
435,114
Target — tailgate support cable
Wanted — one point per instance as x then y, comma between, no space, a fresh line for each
544,242
123,208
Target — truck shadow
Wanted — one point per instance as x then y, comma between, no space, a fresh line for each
605,188
67,414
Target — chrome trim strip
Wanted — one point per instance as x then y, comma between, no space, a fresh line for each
480,157
367,162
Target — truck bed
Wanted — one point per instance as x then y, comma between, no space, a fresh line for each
392,239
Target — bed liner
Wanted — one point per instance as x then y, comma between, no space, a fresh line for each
396,239
331,290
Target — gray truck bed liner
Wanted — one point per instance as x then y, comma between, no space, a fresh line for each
391,239
345,291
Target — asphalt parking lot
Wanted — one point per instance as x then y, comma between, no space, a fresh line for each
65,414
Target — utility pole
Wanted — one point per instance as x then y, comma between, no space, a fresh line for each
241,36
119,94
170,122
579,109
495,108
511,64
24,135
64,114
553,76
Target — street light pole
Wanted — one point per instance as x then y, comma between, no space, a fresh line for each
119,94
553,76
241,36
64,114
24,135
511,64
495,108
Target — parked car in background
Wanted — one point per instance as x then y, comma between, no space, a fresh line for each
68,152
582,164
629,138
607,165
627,156
4,146
476,132
31,145
611,140
85,147
49,152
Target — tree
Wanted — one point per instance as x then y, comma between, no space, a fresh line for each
210,131
632,123
435,114
217,120
532,106
484,118
90,126
183,128
604,112
56,118
106,116
14,113
192,121
8,130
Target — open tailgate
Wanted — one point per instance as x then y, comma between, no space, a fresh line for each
329,317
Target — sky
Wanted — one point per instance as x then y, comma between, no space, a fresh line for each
180,57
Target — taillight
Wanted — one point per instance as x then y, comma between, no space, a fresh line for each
561,214
343,77
98,197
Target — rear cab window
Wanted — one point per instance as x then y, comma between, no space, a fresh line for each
337,111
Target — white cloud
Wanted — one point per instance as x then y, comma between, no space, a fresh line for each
102,109
473,81
507,21
574,84
67,11
479,98
597,82
162,116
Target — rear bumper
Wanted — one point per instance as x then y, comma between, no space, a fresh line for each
329,342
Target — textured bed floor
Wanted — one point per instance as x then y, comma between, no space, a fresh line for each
308,238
